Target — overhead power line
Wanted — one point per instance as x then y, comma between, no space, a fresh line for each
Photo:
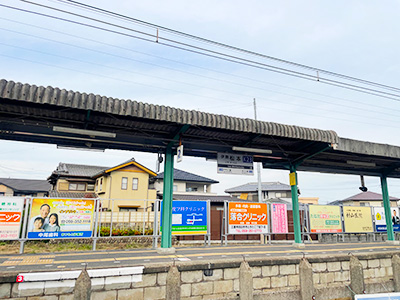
215,54
186,35
195,74
185,72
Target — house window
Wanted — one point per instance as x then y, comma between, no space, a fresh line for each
124,183
135,183
77,187
90,187
97,185
175,188
191,189
2,193
128,208
101,184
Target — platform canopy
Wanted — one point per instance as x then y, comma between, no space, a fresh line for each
72,119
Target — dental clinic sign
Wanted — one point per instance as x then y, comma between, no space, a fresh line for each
247,218
188,217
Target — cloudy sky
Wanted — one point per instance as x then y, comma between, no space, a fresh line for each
354,38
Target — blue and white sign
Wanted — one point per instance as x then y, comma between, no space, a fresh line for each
384,296
380,219
229,163
188,217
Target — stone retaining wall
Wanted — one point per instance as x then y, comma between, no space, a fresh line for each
330,278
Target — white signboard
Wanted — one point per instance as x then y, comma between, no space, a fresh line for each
380,218
179,154
229,163
10,217
383,296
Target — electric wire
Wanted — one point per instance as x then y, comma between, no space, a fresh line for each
180,82
312,77
66,20
154,26
203,76
110,77
221,56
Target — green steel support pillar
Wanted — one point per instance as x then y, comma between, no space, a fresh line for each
295,205
386,205
167,199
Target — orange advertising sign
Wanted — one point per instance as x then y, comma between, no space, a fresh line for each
247,218
10,217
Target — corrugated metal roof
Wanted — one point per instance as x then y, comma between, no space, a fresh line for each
63,98
265,186
25,185
186,176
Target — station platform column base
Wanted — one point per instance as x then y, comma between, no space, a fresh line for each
394,243
299,245
168,251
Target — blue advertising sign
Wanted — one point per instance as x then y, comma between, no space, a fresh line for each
384,296
188,217
380,219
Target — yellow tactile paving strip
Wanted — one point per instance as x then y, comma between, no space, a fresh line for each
29,260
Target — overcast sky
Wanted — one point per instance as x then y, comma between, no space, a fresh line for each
355,38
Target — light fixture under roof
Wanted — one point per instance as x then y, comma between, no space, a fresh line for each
84,132
361,163
253,150
80,148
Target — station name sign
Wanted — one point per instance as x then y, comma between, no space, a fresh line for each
229,163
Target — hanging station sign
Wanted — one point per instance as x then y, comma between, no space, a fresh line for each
238,164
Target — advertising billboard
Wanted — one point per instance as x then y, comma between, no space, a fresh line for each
247,218
357,219
10,217
380,219
279,221
325,219
383,296
61,218
188,217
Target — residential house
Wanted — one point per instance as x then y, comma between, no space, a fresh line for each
270,190
121,186
24,187
366,199
186,184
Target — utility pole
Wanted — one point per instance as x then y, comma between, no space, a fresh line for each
259,189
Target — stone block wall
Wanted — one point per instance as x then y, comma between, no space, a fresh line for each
271,279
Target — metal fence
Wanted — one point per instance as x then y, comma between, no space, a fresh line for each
97,219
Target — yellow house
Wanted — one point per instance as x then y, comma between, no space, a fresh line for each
127,181
124,187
